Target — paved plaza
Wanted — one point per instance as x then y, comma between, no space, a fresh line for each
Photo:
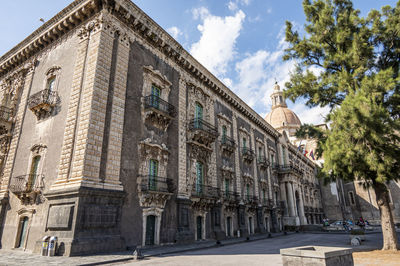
264,251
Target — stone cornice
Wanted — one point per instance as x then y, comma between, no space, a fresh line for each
131,15
63,22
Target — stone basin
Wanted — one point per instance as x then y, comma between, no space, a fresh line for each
317,255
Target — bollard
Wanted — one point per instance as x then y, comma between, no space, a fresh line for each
45,245
137,254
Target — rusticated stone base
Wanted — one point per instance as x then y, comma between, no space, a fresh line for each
85,220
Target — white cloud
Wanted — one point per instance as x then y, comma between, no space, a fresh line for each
269,10
257,73
245,2
232,6
174,31
315,115
216,47
200,13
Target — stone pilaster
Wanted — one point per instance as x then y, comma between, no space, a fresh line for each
213,160
290,199
284,198
73,109
117,114
182,154
81,155
237,161
255,172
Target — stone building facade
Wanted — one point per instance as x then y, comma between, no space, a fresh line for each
114,136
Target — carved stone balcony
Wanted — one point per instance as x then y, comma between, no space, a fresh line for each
227,145
158,112
202,132
204,191
6,120
27,187
204,197
288,168
154,191
247,154
263,162
230,197
43,102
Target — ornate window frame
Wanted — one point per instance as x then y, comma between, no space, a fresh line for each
152,77
197,94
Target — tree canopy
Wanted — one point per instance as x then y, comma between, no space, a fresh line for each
351,64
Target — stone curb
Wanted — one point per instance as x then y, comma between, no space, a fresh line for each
243,240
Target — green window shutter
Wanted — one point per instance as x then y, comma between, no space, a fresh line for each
199,177
153,172
156,91
227,187
34,171
155,96
223,134
198,111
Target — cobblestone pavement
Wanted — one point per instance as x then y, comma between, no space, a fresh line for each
260,252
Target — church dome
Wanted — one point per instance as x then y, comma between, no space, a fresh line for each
282,117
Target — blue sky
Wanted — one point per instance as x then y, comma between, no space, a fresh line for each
239,41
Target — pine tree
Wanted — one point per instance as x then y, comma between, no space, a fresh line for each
358,63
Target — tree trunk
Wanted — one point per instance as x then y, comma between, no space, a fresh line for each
388,227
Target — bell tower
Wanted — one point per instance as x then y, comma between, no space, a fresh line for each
277,97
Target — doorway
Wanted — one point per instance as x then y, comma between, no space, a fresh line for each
229,226
199,227
250,225
150,230
23,228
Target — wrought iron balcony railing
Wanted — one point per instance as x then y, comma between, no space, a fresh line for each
5,113
43,98
27,183
287,168
153,101
156,184
200,124
251,199
230,195
204,191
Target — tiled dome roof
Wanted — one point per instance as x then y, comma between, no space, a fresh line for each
282,117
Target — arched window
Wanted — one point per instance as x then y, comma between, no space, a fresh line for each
50,85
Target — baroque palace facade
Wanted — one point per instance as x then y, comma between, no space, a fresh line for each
113,136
